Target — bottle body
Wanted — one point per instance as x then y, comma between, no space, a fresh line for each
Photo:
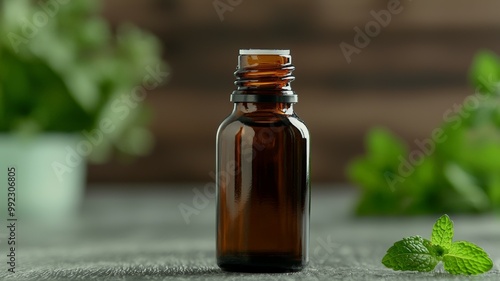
263,194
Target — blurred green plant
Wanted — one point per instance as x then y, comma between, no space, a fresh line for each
457,169
63,70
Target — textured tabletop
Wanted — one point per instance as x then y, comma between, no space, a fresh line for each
142,235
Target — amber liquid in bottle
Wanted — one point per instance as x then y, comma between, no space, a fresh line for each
263,194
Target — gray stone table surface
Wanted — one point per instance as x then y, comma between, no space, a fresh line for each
141,235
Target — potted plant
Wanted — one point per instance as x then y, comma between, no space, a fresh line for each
71,90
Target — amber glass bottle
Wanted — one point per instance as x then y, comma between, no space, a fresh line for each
263,195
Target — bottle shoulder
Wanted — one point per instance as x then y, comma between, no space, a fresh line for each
291,122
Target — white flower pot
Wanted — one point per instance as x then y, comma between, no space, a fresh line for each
48,188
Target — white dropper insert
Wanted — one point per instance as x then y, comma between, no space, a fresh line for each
264,52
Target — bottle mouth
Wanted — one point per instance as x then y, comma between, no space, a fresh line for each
264,75
271,52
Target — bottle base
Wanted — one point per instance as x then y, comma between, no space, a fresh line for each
260,263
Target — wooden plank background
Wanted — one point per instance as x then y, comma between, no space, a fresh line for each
405,79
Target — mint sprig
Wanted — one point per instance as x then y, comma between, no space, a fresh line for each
418,254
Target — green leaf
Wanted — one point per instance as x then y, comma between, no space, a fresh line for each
485,71
442,232
466,258
465,185
384,148
412,253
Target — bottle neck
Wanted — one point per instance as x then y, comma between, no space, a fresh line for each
263,107
264,78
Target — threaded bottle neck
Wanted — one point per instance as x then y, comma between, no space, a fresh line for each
264,76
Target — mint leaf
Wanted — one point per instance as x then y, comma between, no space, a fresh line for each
485,71
442,232
412,253
418,254
466,258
